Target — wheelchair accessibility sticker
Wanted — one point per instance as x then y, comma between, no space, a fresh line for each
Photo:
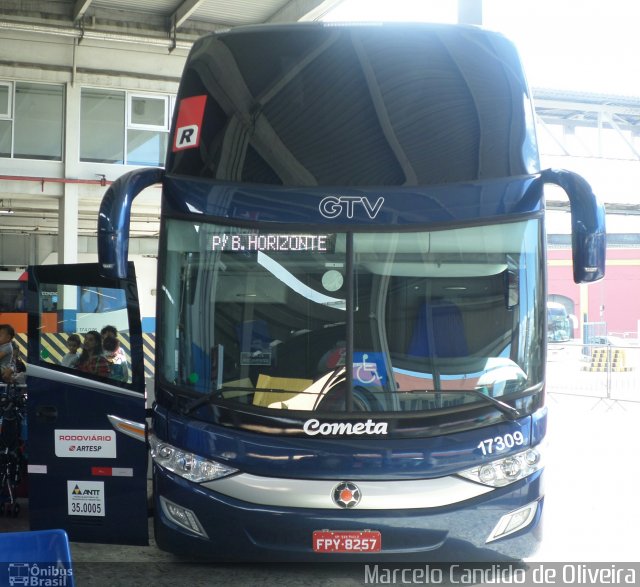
368,369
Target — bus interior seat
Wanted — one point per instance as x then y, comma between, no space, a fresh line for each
445,339
253,335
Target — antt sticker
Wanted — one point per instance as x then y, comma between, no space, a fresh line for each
85,498
189,122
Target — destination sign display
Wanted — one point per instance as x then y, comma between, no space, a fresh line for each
270,242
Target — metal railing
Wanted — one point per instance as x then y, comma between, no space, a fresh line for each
604,370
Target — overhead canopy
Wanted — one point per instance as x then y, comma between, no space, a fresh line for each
169,22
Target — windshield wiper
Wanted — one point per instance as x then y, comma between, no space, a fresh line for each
333,378
336,376
216,393
219,394
508,411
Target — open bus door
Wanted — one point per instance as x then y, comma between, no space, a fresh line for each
86,447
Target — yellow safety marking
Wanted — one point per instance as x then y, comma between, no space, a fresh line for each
55,347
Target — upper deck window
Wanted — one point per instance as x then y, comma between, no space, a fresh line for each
365,106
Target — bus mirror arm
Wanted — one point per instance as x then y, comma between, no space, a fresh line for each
114,217
588,240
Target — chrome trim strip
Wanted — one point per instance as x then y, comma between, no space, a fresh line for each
70,379
376,495
131,428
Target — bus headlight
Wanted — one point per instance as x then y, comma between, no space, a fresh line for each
186,464
504,471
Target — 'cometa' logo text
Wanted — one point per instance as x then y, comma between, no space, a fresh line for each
313,427
334,206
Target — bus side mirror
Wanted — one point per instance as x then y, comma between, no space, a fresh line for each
511,285
589,239
114,216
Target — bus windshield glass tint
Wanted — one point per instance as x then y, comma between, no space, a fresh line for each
264,318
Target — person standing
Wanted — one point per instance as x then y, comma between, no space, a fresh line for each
91,359
115,357
7,366
114,353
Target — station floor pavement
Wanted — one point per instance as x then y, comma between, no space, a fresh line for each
107,565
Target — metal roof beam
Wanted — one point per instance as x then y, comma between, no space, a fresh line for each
609,108
295,10
542,124
609,120
184,11
80,8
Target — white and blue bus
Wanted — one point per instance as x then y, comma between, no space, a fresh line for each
351,322
559,326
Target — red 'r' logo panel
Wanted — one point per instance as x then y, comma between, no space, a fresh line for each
189,123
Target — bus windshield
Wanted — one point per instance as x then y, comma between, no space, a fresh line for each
352,321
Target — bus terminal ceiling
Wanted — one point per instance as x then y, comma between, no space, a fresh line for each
65,42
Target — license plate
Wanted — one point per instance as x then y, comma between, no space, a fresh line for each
347,541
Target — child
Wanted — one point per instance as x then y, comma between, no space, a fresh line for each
113,354
71,358
112,332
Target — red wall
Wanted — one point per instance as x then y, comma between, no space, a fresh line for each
614,300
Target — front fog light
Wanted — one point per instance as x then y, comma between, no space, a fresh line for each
514,521
183,517
186,464
504,471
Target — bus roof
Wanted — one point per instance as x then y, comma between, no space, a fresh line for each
359,105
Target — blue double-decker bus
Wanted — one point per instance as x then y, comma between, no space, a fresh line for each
351,322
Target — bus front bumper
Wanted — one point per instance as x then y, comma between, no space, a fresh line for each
196,522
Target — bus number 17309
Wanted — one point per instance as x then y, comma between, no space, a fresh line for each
500,443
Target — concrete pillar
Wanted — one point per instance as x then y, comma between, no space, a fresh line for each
68,206
68,224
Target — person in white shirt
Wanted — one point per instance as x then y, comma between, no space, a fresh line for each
73,345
